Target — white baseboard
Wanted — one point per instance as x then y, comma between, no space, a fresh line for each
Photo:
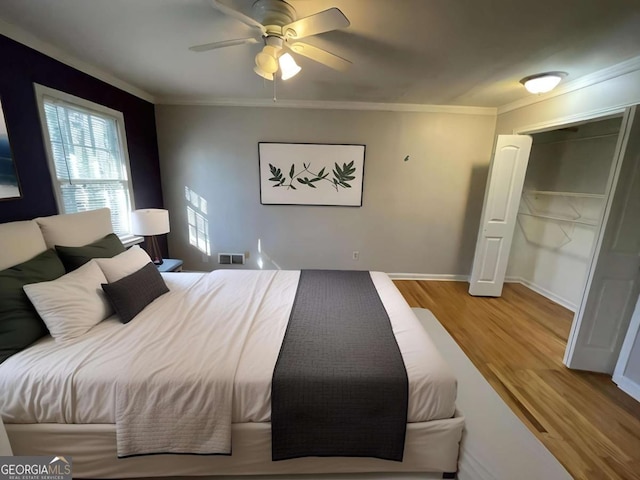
544,292
446,277
628,386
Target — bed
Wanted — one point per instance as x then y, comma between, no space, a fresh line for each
66,396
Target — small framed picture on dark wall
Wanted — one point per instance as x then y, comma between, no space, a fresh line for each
9,185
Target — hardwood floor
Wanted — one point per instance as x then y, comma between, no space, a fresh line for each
517,343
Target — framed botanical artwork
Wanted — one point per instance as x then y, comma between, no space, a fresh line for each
311,174
9,185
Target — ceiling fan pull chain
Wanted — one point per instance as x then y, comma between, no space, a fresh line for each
275,80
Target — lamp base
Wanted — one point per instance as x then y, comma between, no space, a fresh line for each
153,249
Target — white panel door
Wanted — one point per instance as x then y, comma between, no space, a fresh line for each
627,372
613,283
501,202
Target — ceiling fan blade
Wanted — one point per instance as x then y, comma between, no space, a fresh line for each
226,43
238,15
321,56
332,19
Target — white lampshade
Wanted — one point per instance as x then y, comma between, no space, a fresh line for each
150,221
288,66
542,82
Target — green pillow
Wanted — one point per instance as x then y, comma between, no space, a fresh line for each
75,257
20,324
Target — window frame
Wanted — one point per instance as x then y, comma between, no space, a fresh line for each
41,92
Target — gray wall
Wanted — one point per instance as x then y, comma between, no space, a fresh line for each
419,216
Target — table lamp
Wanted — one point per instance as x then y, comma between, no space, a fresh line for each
150,222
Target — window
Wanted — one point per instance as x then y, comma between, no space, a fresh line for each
87,153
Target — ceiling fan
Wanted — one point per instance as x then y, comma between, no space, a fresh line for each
280,30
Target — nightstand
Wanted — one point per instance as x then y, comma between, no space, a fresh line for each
170,265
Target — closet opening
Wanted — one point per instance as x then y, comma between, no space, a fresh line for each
561,209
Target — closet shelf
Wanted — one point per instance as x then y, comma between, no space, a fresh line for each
591,223
561,213
580,139
563,194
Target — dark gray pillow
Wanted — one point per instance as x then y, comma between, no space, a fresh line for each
131,294
75,257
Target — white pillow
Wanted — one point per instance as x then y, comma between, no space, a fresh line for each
123,264
73,303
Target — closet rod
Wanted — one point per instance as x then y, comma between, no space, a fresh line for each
564,194
593,223
578,139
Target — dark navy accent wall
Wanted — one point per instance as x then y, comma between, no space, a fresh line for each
22,67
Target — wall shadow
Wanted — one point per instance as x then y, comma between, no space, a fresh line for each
473,211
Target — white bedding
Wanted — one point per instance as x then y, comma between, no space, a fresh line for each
76,382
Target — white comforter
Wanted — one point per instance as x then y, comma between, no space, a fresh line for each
199,358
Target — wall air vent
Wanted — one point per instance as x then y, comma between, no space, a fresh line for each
231,258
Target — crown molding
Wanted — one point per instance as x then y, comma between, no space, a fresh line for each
617,70
32,41
326,105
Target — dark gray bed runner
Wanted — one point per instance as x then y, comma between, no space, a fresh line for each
340,386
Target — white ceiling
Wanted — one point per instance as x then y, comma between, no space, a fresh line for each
437,52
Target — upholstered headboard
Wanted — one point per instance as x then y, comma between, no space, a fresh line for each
75,229
21,241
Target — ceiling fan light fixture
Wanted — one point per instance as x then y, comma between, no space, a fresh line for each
263,74
288,67
542,82
266,63
271,50
277,22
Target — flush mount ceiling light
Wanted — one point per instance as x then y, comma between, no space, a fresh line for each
542,82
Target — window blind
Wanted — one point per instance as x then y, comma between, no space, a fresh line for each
90,166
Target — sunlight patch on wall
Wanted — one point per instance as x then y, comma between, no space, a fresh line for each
263,256
198,222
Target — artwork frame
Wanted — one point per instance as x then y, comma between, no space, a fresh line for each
313,174
9,181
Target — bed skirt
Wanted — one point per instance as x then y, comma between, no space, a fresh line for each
430,447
